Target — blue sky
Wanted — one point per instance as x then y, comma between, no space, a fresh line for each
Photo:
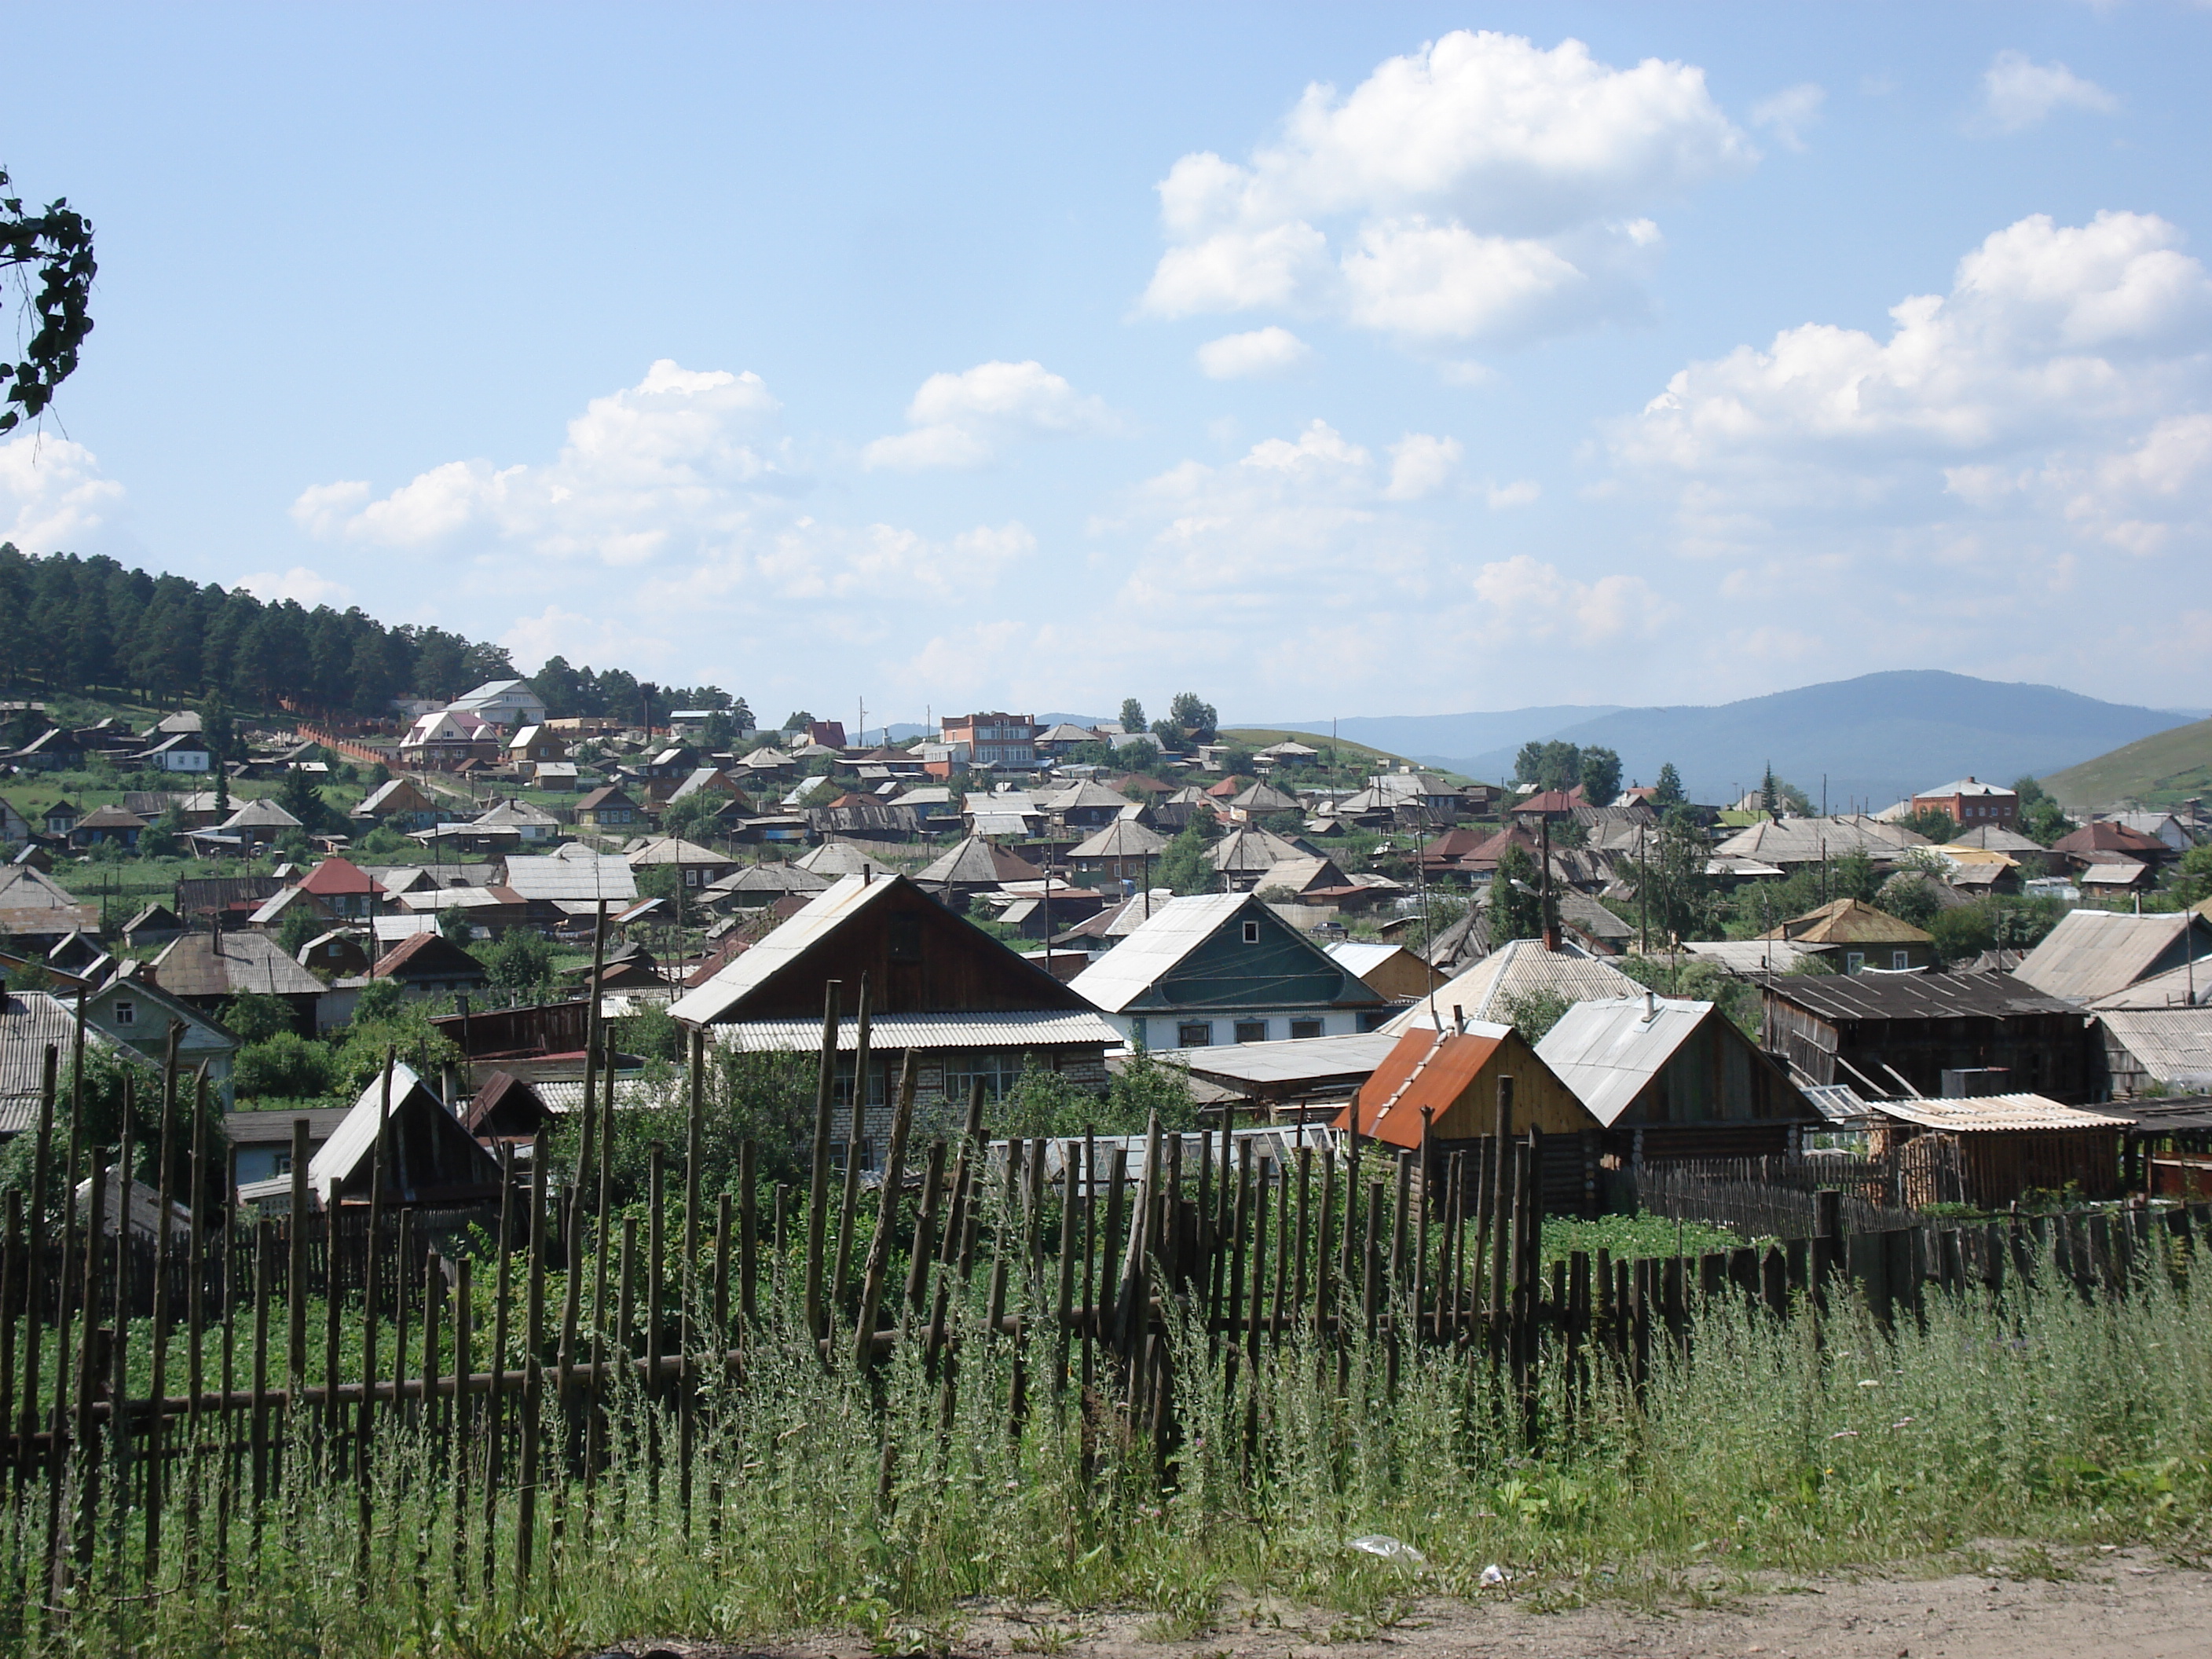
1327,360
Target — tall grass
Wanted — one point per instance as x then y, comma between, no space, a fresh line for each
883,1503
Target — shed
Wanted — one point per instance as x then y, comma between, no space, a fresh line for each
434,1161
2006,1147
1389,970
507,1109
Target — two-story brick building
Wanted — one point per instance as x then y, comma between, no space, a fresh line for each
1972,804
995,739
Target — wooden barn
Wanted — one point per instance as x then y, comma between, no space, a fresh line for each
434,1161
1996,1148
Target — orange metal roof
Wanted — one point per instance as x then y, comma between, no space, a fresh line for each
1426,1069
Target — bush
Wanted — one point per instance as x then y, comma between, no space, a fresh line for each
522,962
253,1018
286,1066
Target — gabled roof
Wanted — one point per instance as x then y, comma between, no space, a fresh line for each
785,969
224,965
1969,787
1129,975
674,849
792,877
110,817
575,874
1124,838
1808,841
1425,1069
1491,989
834,859
1264,798
1910,996
1608,1050
2095,953
605,795
346,1157
1249,850
976,863
261,814
1086,793
394,794
426,955
1849,921
335,875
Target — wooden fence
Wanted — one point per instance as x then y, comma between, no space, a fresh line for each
1091,1258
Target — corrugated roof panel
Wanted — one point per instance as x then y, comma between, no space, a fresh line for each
1039,1027
1606,1051
1993,1112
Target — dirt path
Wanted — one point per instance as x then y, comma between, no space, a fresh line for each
2030,1606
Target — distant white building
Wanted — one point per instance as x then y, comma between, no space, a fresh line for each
504,703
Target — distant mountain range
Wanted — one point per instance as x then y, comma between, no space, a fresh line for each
1874,739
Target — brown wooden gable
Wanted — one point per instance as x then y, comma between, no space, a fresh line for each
919,957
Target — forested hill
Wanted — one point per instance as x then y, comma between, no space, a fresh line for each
76,627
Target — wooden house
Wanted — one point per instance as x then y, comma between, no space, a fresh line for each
608,808
1225,967
1899,1035
430,965
209,969
1390,970
1860,936
1446,1084
505,1108
969,1010
1670,1077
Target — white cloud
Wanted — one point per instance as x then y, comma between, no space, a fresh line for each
1420,465
677,457
2018,92
1525,597
1949,480
1262,351
1790,112
959,420
1485,189
306,587
1522,492
53,496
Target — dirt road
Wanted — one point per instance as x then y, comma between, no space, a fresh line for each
2029,1605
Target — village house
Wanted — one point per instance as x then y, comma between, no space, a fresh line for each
258,825
2093,956
208,969
1928,1033
1518,973
261,1142
1670,1077
429,965
106,825
182,751
444,740
400,804
532,746
1971,803
697,866
133,1009
1223,968
995,739
1123,851
341,952
508,704
527,825
570,886
1439,1088
608,809
969,1010
34,905
431,1162
1391,971
1860,937
345,889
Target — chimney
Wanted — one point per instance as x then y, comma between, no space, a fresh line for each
1459,1020
1651,1006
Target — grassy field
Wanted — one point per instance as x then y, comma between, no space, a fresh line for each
877,1509
2162,769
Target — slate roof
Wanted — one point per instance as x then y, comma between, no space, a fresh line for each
1251,850
1488,990
1132,968
1124,838
834,859
260,815
1849,921
2093,953
431,956
1987,1113
1808,841
226,964
2173,1045
1911,996
976,863
575,874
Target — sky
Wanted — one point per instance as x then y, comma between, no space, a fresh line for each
1324,360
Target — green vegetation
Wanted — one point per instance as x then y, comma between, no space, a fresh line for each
879,1507
2162,769
1628,1237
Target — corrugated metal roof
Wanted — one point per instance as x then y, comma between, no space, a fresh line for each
1124,838
1747,956
823,912
1606,1051
1992,1112
2189,986
1042,1028
1429,1069
575,874
1913,996
1521,969
356,1133
1809,840
2093,953
1304,1060
1361,956
1173,932
2174,1045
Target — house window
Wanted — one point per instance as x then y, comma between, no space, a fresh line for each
902,937
1252,932
1194,1034
281,1166
126,1013
690,879
1251,1030
1301,1029
1899,959
997,1067
1853,961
